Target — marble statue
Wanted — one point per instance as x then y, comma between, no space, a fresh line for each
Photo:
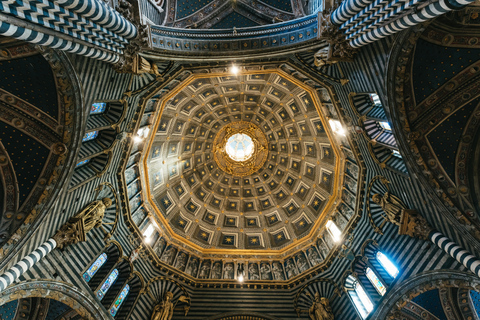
217,270
192,267
302,263
228,272
291,269
321,310
313,257
278,271
265,271
181,261
204,270
253,272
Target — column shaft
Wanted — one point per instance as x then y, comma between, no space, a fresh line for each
26,263
455,251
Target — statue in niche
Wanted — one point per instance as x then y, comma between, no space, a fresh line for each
169,255
161,244
164,310
253,272
321,310
93,214
265,271
340,221
302,263
204,270
391,205
410,222
228,272
217,270
313,256
291,269
278,271
181,261
192,267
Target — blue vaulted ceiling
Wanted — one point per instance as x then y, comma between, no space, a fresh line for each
234,19
188,7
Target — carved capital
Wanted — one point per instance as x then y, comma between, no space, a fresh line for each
338,48
70,233
414,225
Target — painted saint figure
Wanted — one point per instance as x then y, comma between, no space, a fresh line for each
321,310
164,310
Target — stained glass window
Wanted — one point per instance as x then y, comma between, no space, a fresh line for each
107,284
376,282
334,231
98,107
367,305
385,125
81,163
375,99
90,136
118,302
387,264
94,267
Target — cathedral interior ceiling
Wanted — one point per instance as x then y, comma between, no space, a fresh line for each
36,98
274,209
443,112
219,14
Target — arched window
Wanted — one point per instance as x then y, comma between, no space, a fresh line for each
81,163
387,265
88,275
90,136
107,284
334,231
379,286
118,302
360,299
385,125
98,107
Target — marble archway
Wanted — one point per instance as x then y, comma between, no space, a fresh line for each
59,291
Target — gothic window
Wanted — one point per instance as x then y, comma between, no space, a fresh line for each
385,125
90,136
359,297
98,107
334,231
81,163
387,264
95,267
375,99
120,299
379,286
107,284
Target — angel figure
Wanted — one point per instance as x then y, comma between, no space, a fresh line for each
320,310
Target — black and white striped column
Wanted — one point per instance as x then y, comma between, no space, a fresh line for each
455,251
26,263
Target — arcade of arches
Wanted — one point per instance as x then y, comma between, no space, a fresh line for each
239,160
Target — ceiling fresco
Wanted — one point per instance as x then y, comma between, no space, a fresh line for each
269,206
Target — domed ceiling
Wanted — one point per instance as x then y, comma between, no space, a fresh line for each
242,169
273,200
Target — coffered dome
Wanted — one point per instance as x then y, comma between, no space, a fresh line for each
243,163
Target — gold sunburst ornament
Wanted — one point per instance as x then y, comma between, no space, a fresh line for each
240,148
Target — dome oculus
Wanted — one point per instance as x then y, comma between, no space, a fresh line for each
240,147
